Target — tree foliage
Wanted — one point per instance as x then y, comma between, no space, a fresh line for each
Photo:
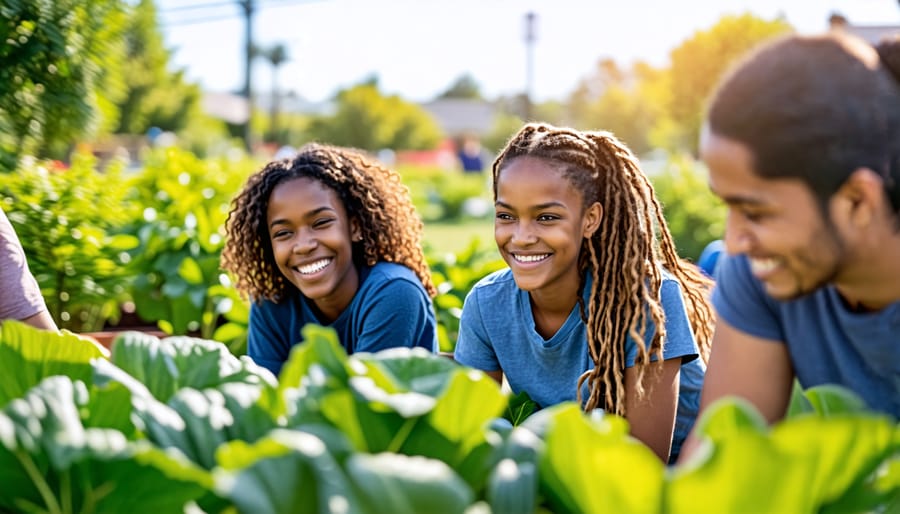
699,62
366,119
155,96
465,86
621,101
651,108
57,55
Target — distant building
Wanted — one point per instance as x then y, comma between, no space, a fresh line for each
232,107
227,107
460,116
871,33
293,103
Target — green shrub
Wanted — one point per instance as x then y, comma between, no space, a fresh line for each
694,215
71,225
441,195
181,232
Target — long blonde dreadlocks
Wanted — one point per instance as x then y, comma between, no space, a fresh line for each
625,256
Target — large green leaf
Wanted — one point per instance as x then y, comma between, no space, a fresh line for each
371,430
802,464
208,419
320,348
513,487
286,472
169,364
839,454
29,355
467,404
49,462
400,484
314,367
456,431
831,400
594,466
414,369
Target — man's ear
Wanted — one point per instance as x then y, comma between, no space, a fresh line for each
591,219
861,199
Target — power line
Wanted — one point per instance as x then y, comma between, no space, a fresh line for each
191,7
207,19
215,5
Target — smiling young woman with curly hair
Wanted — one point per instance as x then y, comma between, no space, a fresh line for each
329,237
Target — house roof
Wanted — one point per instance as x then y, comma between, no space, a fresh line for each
225,106
458,116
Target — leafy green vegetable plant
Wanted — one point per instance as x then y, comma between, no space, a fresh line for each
181,425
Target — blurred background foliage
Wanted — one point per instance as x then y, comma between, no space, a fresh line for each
113,246
118,181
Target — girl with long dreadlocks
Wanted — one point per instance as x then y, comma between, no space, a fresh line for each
596,305
329,237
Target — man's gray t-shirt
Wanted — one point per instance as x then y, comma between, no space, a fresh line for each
827,343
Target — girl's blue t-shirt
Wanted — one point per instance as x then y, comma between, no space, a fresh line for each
390,309
497,333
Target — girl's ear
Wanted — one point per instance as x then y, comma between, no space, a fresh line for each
355,231
591,219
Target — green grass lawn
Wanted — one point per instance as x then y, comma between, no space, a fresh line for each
457,236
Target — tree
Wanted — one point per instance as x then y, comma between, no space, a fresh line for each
617,100
155,96
465,87
57,56
699,62
366,119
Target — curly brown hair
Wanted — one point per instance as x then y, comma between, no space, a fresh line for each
372,194
625,256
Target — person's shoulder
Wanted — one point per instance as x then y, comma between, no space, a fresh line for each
499,284
733,267
392,270
497,280
392,275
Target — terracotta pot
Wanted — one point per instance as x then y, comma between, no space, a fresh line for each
106,337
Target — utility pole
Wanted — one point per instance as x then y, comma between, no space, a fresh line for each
248,6
530,37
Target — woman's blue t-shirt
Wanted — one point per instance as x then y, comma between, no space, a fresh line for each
390,309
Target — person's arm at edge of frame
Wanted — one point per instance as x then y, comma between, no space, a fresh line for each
652,416
42,320
756,369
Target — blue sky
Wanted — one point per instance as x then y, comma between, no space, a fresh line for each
418,47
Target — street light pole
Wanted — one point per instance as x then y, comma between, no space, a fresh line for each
530,36
248,6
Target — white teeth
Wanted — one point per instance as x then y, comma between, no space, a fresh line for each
531,258
758,266
314,267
